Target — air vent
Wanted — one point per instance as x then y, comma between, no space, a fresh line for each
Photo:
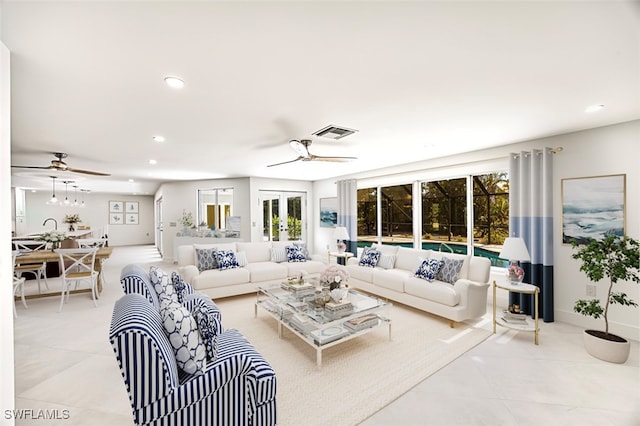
334,132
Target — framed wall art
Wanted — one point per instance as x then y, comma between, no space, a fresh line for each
131,206
116,219
116,206
131,218
328,212
593,207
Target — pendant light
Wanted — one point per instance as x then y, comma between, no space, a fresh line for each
66,193
75,198
53,199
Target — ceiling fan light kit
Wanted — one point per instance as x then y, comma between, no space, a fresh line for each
301,147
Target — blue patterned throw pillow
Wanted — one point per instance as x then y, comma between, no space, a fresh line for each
206,259
181,287
369,257
428,269
208,326
226,259
450,270
295,254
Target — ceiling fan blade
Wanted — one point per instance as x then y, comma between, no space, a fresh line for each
286,162
35,167
87,172
332,159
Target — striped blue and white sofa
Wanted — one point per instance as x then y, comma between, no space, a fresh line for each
237,388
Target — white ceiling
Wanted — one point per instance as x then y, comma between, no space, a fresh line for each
417,80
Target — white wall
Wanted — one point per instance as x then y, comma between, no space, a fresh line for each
602,151
6,267
95,215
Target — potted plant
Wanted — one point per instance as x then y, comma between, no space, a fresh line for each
71,219
615,259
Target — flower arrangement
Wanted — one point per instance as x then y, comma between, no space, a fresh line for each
187,219
334,276
72,218
53,237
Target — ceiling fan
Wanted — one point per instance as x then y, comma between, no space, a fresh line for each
302,148
61,166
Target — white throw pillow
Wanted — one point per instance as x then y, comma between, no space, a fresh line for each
185,338
278,254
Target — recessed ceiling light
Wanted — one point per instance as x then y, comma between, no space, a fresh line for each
174,82
159,138
131,180
153,162
594,108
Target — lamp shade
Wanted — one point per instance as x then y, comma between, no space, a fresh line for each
341,233
515,249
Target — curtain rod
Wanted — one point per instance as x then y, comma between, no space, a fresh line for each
556,150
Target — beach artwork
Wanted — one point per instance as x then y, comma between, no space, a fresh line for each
328,212
592,207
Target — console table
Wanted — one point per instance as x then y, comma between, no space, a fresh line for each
518,288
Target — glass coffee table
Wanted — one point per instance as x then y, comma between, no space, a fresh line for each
295,308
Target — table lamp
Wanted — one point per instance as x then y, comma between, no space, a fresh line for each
341,235
515,250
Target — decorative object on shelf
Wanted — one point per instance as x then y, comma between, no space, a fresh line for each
334,276
340,234
53,237
615,258
337,294
71,220
186,221
515,250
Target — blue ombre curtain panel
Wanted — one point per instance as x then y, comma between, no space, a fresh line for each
531,217
348,211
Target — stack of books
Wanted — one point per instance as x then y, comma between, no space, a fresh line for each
514,317
338,310
362,322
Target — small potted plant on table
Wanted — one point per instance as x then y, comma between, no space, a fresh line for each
614,258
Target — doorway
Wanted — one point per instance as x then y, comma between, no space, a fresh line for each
159,225
284,215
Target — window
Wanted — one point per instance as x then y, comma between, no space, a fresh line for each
444,215
490,215
367,215
386,214
397,214
214,206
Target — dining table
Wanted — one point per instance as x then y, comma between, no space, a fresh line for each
50,256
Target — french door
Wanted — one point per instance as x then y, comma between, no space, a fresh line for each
284,215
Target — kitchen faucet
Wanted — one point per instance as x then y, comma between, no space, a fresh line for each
48,219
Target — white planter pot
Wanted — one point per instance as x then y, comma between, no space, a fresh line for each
606,350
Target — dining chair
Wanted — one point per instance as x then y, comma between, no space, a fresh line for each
79,265
39,270
18,285
97,243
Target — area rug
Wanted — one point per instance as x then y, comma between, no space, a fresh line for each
357,377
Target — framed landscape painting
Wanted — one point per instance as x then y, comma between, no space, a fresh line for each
328,212
593,207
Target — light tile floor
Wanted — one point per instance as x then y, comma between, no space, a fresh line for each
63,361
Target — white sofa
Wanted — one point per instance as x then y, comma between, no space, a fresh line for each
394,278
259,269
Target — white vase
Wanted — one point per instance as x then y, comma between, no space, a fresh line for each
606,350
